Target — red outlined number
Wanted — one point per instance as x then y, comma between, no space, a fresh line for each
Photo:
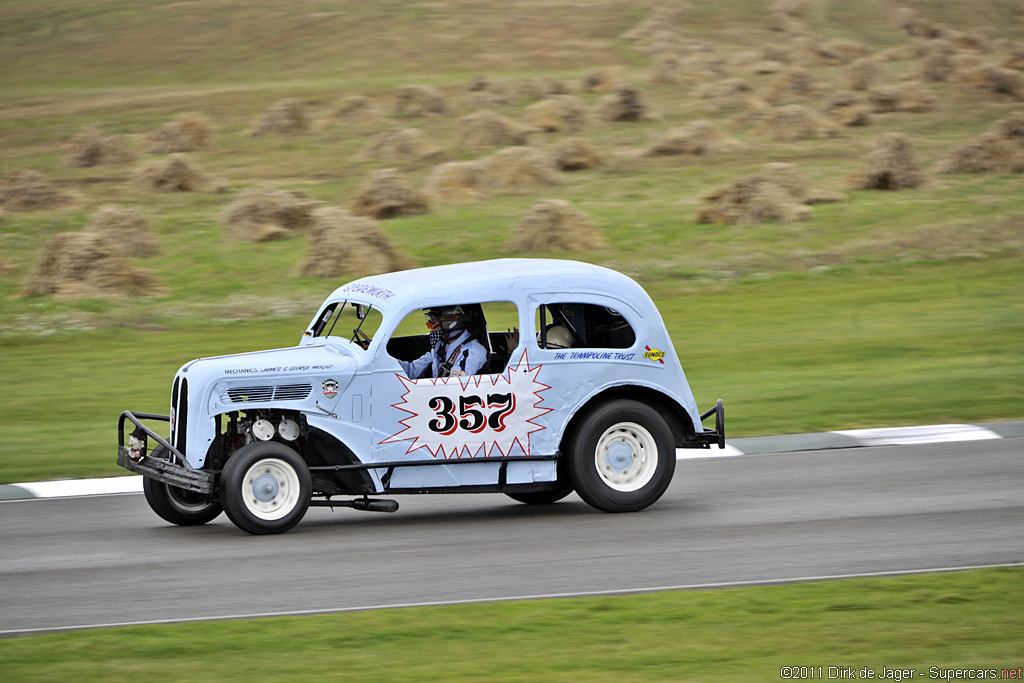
477,421
505,404
445,423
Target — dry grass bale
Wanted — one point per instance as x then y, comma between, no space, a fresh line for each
355,109
889,166
386,195
554,224
731,93
795,83
90,148
186,133
698,138
603,79
420,100
27,190
575,154
1015,60
916,25
286,117
786,15
625,105
863,74
87,265
937,67
176,174
912,98
778,193
489,129
969,40
408,144
455,182
994,84
848,109
520,167
764,66
126,228
558,114
797,122
267,213
1001,150
848,50
539,88
343,244
700,67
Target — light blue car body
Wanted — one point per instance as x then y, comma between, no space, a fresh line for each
361,397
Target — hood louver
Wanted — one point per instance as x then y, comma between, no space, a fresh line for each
265,394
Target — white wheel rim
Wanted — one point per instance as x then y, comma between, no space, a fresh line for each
626,456
270,489
178,500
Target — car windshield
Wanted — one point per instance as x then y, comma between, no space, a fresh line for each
349,320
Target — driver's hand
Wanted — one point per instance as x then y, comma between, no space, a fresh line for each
512,339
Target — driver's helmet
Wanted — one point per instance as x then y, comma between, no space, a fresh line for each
450,319
558,337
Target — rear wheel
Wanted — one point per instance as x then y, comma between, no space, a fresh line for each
265,488
623,456
179,506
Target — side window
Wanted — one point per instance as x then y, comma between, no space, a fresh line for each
494,325
582,326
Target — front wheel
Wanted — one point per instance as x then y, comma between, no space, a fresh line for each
623,456
265,488
179,506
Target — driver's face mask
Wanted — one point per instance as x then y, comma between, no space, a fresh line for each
436,333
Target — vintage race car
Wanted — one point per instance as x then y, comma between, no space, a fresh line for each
581,390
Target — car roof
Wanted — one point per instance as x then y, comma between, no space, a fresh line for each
491,280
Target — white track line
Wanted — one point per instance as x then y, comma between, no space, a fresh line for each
509,598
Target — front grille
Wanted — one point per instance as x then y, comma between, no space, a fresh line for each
265,394
181,417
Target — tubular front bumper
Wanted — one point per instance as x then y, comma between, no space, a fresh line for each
709,437
173,470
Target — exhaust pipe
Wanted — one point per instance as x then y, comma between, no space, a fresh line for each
368,504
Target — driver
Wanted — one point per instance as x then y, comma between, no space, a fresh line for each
454,349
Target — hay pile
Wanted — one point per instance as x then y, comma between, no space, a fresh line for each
343,244
1015,60
797,122
993,84
355,110
26,190
420,100
699,67
778,193
793,84
698,138
286,117
92,148
575,154
386,195
186,133
539,88
625,105
731,93
126,228
889,166
787,16
456,182
863,74
848,109
87,265
408,144
558,114
486,128
937,67
519,167
554,224
1001,150
603,79
267,213
909,98
176,174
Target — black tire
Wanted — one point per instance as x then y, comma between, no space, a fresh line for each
179,506
265,488
542,497
623,456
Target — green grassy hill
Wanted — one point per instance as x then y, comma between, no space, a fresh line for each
888,307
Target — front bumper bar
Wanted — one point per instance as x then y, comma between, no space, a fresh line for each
708,437
173,470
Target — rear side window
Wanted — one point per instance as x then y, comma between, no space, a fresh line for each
582,326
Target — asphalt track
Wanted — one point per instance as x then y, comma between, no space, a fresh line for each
105,560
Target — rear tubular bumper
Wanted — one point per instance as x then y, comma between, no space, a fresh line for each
710,437
174,470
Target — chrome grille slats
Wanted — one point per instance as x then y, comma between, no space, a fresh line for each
266,393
